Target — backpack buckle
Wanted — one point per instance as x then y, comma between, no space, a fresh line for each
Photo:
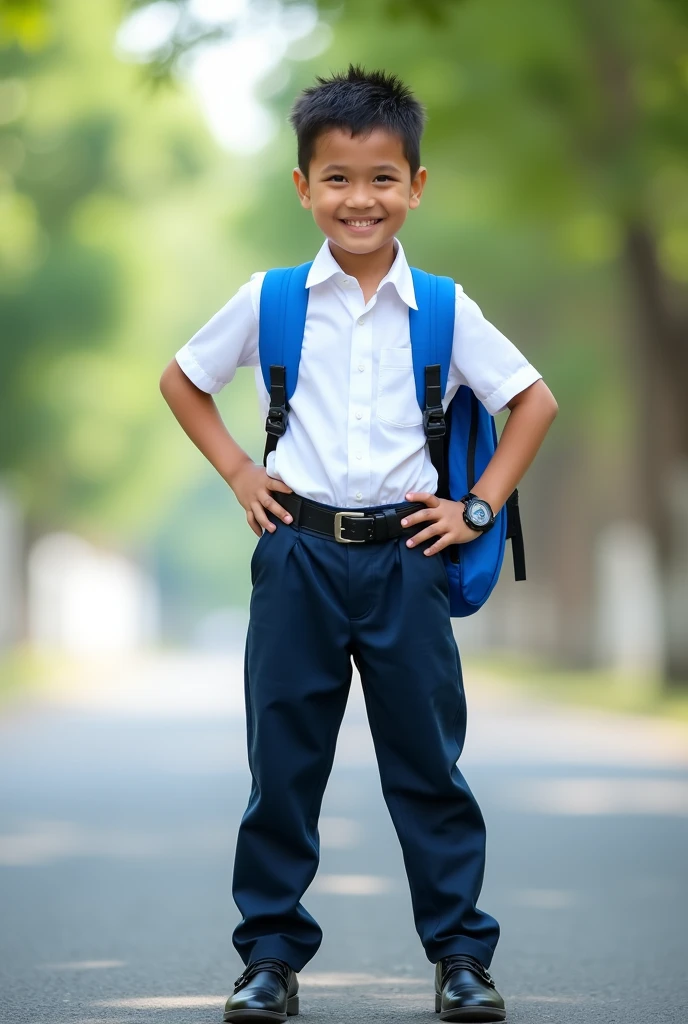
434,422
276,422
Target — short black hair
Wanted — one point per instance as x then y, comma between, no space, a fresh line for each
360,101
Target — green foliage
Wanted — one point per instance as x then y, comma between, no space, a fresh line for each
25,22
113,250
552,126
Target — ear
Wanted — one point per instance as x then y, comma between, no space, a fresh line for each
417,186
302,187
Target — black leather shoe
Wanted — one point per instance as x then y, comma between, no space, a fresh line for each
265,991
464,991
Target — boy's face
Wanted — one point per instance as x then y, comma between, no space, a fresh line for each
359,179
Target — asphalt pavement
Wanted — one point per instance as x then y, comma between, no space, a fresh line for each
120,795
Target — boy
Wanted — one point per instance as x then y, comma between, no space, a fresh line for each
355,441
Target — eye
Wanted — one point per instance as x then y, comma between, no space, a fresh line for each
333,176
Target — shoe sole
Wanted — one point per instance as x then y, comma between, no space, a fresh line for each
469,1014
255,1016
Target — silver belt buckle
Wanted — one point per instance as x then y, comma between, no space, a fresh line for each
338,516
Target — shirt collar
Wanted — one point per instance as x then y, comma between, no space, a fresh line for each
325,266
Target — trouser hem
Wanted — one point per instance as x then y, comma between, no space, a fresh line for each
277,947
473,947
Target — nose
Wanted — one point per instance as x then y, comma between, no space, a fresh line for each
358,199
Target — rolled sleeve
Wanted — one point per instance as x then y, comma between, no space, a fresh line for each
227,341
485,360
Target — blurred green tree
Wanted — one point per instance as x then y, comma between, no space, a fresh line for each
576,112
102,275
559,146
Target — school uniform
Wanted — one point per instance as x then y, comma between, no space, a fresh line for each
355,440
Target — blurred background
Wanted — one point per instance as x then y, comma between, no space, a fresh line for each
145,162
145,173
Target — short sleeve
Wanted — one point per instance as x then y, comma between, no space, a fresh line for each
228,340
484,359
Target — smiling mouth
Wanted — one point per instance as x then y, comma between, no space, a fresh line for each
357,222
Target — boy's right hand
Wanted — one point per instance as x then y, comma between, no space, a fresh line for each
252,486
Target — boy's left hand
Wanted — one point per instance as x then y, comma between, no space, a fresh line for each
445,518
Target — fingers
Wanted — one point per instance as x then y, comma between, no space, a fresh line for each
279,485
429,499
444,539
441,542
431,531
260,517
422,516
264,501
274,506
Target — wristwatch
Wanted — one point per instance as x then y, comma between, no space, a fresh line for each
477,513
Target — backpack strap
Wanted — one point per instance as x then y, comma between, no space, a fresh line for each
514,530
432,336
283,305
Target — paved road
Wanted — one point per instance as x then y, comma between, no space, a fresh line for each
119,802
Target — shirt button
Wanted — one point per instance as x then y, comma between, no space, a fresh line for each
361,367
358,495
359,455
361,321
359,415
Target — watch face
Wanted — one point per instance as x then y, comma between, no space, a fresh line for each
478,513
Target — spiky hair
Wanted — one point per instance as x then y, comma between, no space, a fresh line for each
360,101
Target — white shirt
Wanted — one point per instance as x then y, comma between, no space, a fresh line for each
355,430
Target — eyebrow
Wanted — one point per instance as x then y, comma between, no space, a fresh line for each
343,167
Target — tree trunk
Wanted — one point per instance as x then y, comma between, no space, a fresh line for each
661,356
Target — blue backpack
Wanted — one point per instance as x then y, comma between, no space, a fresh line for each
460,442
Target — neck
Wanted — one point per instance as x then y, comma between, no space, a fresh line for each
367,266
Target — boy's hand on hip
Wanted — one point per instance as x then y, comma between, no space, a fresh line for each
252,486
445,521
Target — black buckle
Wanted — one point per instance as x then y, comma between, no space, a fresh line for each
276,422
434,422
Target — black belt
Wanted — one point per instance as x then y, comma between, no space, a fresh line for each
347,525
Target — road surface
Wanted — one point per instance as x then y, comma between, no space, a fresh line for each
121,793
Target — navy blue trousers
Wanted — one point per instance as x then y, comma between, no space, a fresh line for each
315,605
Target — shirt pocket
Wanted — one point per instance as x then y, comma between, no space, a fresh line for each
396,389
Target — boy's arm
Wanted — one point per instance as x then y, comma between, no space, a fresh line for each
199,417
531,414
501,377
